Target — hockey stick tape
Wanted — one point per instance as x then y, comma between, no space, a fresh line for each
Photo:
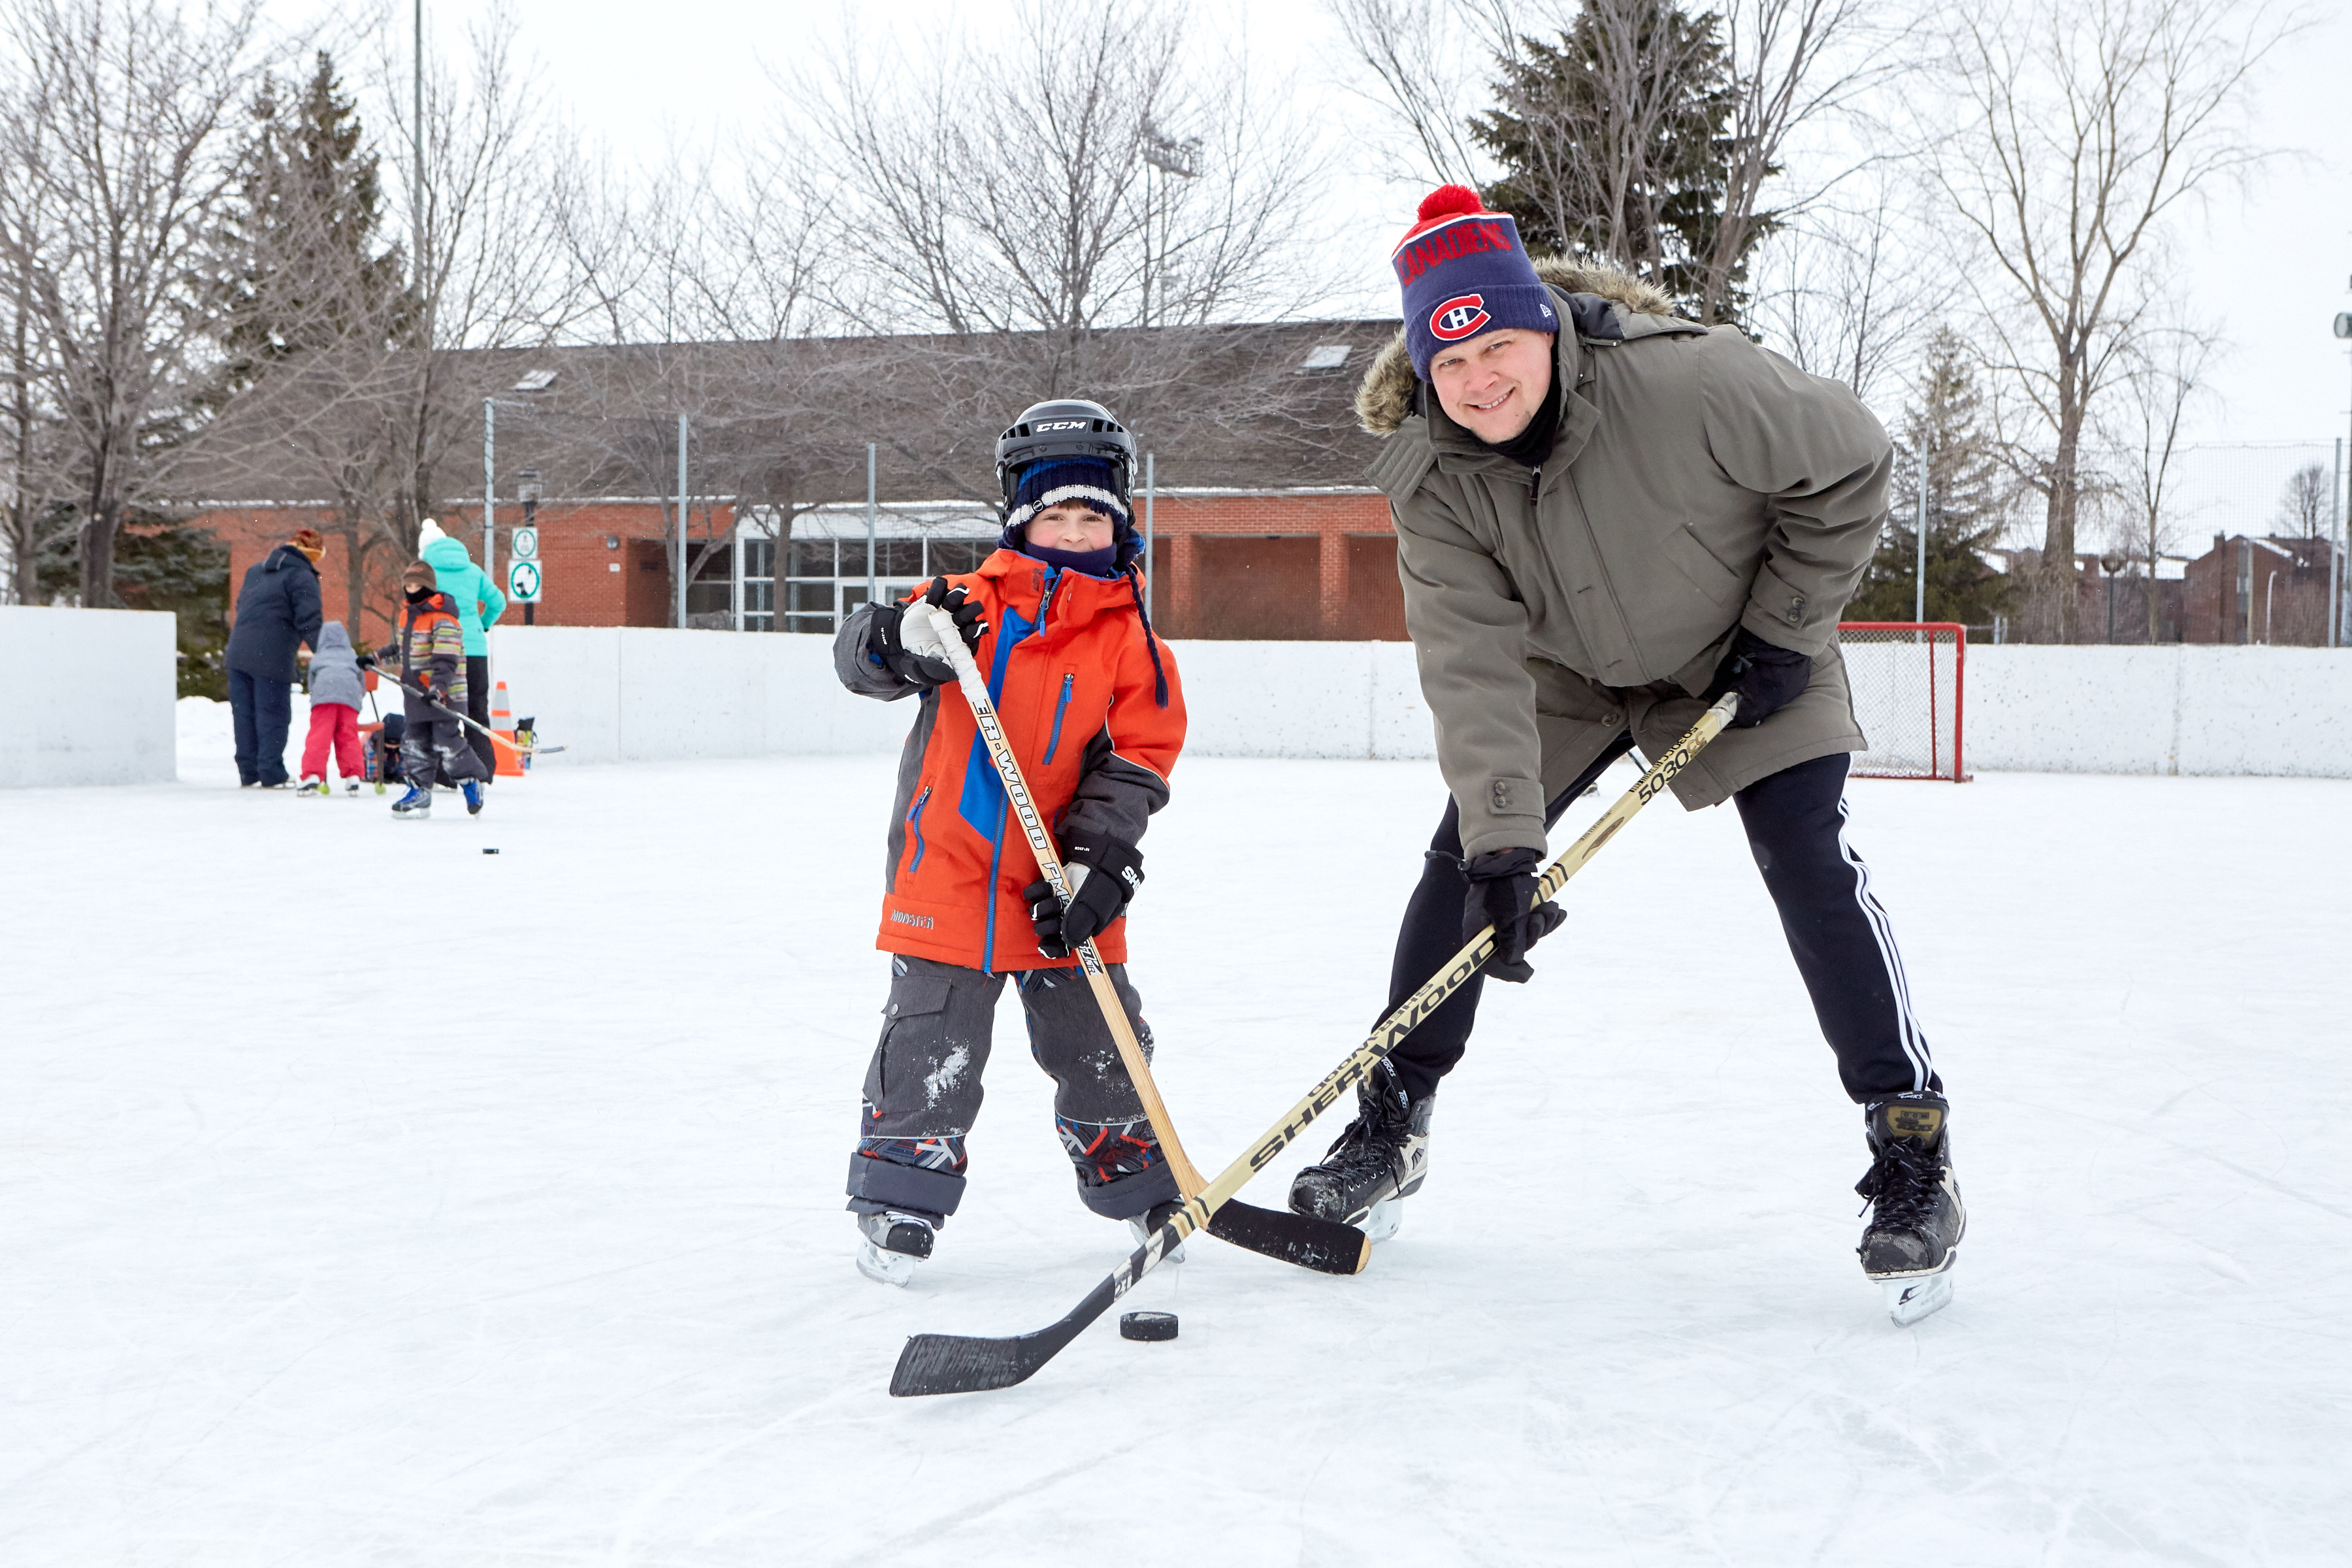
925,630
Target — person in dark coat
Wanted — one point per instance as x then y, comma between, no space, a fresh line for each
277,611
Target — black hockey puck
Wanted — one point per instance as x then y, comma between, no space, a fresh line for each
487,851
1146,1325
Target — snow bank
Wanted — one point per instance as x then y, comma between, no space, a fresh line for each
88,698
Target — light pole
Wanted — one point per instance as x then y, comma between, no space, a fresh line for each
2337,546
1169,157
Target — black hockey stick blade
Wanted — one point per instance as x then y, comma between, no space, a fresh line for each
957,1364
1324,1246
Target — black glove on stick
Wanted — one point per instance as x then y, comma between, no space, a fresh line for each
1503,895
1113,872
1767,677
960,607
884,648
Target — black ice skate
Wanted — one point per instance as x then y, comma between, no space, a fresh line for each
893,1244
1381,1159
1916,1216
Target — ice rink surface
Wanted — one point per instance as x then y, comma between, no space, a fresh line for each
366,1199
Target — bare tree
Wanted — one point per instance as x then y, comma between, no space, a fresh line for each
2165,379
1796,67
496,272
1606,161
1029,203
1421,62
2088,124
1849,290
2307,504
120,124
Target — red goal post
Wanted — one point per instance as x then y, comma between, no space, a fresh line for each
1910,680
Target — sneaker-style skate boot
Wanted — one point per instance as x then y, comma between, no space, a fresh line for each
1380,1160
891,1245
416,805
1916,1216
1141,1227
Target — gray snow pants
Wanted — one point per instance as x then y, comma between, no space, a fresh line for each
922,1090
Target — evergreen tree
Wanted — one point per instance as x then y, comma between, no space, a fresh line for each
1965,494
1613,142
302,275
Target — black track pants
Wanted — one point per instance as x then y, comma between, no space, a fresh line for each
1841,938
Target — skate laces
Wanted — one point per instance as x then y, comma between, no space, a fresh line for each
1902,1182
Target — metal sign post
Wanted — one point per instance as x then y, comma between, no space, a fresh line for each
681,522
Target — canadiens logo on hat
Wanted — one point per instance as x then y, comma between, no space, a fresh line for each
1458,317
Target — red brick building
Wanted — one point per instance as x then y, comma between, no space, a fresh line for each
2273,591
1262,525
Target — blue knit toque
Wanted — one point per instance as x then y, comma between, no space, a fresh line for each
1085,480
1464,272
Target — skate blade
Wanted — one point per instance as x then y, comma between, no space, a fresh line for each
885,1267
1383,1219
1908,1300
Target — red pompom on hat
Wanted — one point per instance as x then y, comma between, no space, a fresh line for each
1462,271
1449,201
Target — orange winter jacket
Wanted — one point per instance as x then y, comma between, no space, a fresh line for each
1072,674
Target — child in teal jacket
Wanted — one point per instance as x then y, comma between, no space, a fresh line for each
478,605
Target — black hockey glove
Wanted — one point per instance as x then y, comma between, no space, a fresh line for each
965,613
1501,895
1767,677
1113,871
883,647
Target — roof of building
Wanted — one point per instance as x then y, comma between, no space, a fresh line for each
1251,407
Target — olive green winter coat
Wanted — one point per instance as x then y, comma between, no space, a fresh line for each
1698,484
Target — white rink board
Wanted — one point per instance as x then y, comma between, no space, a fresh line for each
86,695
617,694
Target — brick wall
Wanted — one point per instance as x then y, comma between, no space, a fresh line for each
1319,566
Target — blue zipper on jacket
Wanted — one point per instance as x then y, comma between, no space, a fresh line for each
1054,743
915,821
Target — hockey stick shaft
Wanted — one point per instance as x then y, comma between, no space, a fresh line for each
1041,845
948,1363
466,720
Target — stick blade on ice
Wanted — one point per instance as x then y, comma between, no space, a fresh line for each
959,1363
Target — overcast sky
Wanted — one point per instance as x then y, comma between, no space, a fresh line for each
2274,266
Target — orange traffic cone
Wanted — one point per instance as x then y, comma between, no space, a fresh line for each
503,735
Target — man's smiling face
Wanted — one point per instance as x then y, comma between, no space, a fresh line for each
1493,383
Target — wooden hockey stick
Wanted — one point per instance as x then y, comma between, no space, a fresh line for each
956,1363
1326,1246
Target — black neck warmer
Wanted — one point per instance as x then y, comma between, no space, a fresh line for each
1093,562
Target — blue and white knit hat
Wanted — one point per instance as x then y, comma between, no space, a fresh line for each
1086,480
1464,272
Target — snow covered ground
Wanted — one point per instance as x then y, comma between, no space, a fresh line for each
366,1199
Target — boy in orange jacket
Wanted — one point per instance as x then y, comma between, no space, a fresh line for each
1089,700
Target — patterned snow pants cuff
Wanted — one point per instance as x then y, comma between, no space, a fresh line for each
1121,1173
917,1176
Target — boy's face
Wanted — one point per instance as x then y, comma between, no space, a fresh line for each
1070,526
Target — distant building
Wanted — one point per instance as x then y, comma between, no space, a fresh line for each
1262,523
2269,591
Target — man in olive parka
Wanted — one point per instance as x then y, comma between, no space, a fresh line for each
1606,518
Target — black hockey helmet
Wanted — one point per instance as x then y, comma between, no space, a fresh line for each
1064,427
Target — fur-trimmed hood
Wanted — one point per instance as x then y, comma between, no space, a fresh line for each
1384,400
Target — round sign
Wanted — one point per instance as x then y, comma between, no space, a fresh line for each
526,544
522,580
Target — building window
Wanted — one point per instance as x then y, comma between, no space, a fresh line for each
824,562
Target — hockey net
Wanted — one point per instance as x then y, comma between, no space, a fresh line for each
1908,679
